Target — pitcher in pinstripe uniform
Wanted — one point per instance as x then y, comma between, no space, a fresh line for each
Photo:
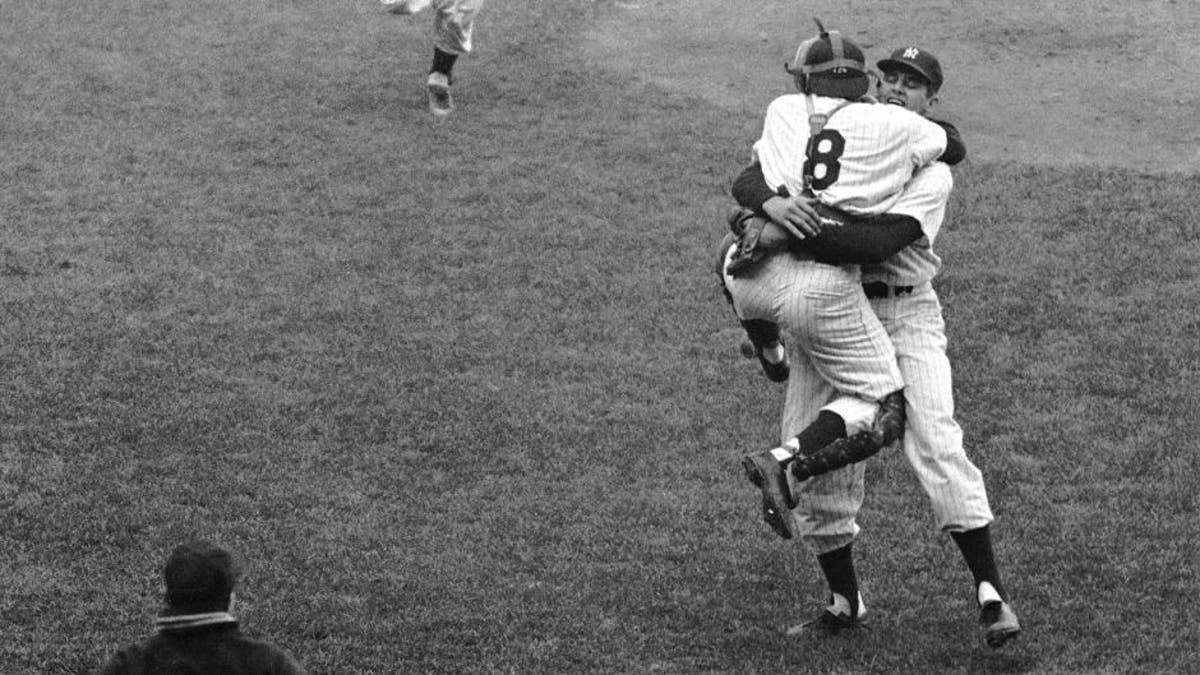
902,297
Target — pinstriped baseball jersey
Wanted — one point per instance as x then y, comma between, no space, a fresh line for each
924,198
863,156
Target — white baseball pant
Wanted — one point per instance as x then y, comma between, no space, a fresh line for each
453,24
822,310
932,438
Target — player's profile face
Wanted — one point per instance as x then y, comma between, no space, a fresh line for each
906,89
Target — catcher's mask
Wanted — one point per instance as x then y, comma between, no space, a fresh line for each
830,65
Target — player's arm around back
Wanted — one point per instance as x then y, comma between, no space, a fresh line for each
860,241
956,149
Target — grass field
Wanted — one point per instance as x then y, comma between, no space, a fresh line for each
466,396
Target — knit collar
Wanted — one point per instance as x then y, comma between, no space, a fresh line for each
184,622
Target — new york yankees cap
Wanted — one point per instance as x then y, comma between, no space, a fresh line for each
916,60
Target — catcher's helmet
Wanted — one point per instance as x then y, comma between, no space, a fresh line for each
830,65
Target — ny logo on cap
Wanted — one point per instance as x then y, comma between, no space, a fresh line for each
911,53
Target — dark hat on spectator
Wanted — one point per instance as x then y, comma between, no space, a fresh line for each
199,578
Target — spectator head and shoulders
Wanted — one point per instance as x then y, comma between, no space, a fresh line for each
196,630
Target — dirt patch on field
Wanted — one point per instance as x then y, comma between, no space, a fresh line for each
1094,82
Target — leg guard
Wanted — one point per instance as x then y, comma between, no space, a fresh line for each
840,453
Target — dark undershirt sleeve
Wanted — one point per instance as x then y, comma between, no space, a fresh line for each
956,150
862,241
750,189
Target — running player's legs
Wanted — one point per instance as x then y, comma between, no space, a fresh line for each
933,439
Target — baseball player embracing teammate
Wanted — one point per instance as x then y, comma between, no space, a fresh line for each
852,165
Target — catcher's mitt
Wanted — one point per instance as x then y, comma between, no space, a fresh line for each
747,227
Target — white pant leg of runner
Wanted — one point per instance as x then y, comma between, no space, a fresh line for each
454,24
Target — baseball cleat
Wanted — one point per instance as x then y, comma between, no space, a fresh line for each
778,521
1000,624
837,617
438,86
765,472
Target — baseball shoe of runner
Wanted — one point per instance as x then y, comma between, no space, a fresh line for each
440,102
764,470
837,617
404,7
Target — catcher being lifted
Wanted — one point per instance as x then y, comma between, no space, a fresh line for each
823,446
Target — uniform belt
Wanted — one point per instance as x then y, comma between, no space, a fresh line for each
878,289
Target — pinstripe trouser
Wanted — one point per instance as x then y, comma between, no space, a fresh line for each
836,346
933,439
822,312
829,504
